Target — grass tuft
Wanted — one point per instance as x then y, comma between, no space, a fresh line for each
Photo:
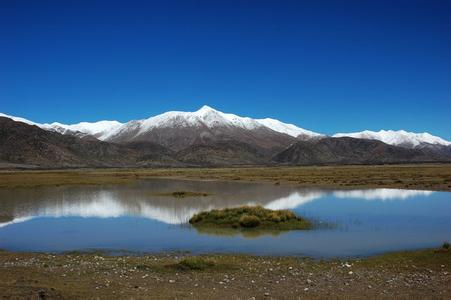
246,217
194,263
249,221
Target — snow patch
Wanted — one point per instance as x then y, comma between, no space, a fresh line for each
18,119
289,129
397,138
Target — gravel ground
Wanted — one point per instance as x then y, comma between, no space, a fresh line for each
418,274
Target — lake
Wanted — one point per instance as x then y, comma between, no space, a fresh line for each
138,218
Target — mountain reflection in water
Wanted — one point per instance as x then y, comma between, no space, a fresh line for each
144,200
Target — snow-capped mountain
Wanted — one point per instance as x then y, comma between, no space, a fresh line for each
100,129
206,137
289,129
204,117
207,121
178,129
19,119
398,138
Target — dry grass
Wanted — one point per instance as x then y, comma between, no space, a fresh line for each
422,176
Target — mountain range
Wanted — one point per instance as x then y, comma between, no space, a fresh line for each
206,137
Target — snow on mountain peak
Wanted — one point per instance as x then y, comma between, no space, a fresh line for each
19,119
209,117
204,116
100,129
206,109
397,137
289,129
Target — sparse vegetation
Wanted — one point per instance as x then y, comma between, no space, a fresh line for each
410,274
445,245
412,176
195,263
183,194
246,217
249,221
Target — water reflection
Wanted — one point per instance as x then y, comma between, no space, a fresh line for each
381,194
142,200
137,218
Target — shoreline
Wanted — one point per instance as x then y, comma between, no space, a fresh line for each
419,273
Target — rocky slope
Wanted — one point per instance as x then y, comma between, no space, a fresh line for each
347,150
30,145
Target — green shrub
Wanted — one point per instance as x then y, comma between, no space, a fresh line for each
445,245
249,221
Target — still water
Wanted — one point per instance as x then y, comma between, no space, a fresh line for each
137,218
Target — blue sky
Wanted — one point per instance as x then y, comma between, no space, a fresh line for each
328,66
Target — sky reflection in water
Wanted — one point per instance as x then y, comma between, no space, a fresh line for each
134,217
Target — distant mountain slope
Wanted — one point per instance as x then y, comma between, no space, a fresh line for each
21,143
177,130
206,137
223,153
346,150
100,130
97,129
398,138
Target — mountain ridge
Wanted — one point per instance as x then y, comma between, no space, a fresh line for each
349,150
397,137
207,138
25,145
211,118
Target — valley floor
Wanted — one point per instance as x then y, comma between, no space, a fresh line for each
417,274
416,176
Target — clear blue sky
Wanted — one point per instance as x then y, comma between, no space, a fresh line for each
328,66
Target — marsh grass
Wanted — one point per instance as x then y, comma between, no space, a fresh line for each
250,217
